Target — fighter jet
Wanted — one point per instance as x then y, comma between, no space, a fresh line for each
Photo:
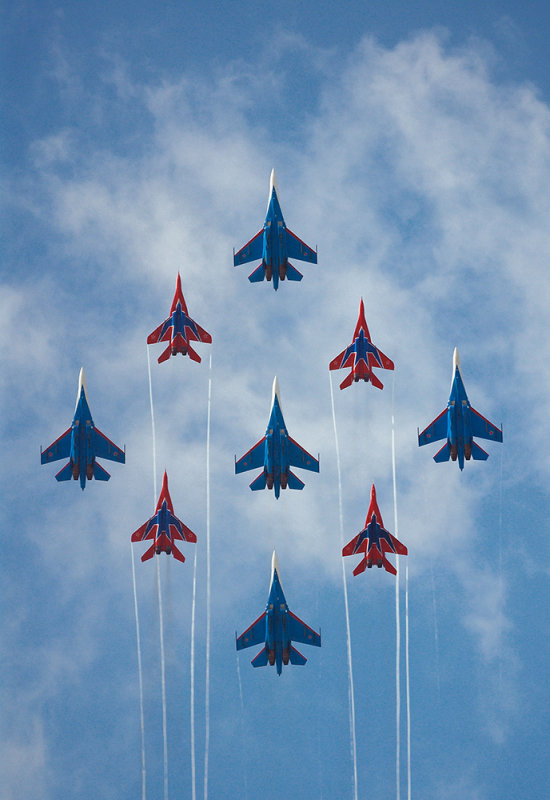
458,424
274,244
361,356
276,453
374,541
277,627
179,329
82,443
163,527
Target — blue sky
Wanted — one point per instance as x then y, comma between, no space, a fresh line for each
414,151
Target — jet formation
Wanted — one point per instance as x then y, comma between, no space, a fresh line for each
276,452
274,244
458,424
277,628
82,444
179,330
361,355
163,527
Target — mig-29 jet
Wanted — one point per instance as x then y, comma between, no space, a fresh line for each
277,628
276,453
374,541
458,424
361,355
179,329
274,244
82,444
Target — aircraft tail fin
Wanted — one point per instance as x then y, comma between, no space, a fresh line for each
165,355
65,474
478,453
258,274
294,482
177,554
375,381
193,355
296,658
100,474
361,566
149,553
347,381
259,482
444,454
292,274
261,659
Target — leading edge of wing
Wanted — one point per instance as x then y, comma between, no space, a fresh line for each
251,251
299,457
482,428
253,635
61,448
105,448
253,459
296,248
300,632
436,430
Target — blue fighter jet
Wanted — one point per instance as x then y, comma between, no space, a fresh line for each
274,244
276,453
277,627
82,443
458,424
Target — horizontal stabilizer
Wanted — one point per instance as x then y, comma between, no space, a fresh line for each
347,381
259,482
100,474
444,454
258,274
149,553
65,474
165,355
177,554
478,453
294,482
375,381
292,274
194,356
296,658
261,659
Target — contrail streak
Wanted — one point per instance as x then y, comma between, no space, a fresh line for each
192,673
140,679
351,691
207,675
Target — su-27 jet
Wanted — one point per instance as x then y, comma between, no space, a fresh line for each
178,330
361,355
163,527
374,541
274,244
458,424
82,444
276,453
277,628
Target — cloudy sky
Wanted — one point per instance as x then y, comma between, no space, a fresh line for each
413,149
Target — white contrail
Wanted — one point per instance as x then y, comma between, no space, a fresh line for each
408,681
244,763
140,677
397,615
207,675
159,592
351,692
192,673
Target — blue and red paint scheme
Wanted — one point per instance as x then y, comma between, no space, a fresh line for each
276,453
374,541
458,424
361,356
163,527
82,443
179,329
274,244
277,628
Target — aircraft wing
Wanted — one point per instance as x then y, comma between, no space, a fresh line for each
298,249
252,250
179,530
253,459
482,428
386,362
105,448
298,457
203,336
61,448
159,334
300,632
255,634
436,430
340,360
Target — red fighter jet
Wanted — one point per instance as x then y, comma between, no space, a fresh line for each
163,527
178,329
374,541
361,356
